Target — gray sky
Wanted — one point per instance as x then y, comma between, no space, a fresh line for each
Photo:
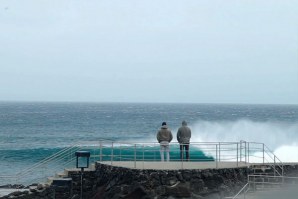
211,51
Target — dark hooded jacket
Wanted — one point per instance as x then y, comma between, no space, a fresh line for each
184,134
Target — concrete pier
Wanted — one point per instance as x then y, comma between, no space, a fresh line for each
175,165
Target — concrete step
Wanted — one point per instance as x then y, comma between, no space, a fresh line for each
50,180
91,168
64,174
61,175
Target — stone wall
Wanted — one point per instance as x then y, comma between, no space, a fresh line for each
116,182
108,182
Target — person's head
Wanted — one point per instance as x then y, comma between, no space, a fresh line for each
184,123
164,124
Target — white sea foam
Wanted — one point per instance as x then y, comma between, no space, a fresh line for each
282,138
287,153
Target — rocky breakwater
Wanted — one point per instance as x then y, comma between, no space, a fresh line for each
117,182
37,191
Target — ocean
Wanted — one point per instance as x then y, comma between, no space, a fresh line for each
31,131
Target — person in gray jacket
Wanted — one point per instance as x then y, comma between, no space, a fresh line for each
164,137
183,137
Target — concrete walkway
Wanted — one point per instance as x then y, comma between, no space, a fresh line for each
175,165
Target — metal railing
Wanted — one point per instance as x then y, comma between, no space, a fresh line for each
260,154
241,153
242,192
40,171
267,183
150,151
270,182
215,153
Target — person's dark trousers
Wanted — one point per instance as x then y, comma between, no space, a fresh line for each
184,147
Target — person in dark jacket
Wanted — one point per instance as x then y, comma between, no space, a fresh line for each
164,137
183,137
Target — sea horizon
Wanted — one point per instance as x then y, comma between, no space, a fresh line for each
138,102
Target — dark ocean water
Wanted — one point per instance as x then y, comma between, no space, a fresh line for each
44,128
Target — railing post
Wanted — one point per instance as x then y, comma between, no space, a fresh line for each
248,152
282,173
112,153
219,151
143,155
180,158
100,151
135,156
274,166
181,152
240,151
237,153
254,183
263,153
120,152
94,155
245,153
248,181
154,151
216,157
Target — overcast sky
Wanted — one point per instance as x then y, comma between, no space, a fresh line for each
211,51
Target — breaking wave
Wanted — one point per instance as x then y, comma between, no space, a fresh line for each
280,137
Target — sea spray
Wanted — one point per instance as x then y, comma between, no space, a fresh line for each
273,134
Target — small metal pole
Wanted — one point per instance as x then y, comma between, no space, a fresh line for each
143,155
154,151
219,151
248,152
216,156
82,170
120,147
264,153
181,155
240,151
282,173
237,153
245,153
112,153
135,156
94,152
274,166
100,151
182,163
255,188
182,151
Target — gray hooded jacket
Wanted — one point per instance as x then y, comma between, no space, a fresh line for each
164,134
184,134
